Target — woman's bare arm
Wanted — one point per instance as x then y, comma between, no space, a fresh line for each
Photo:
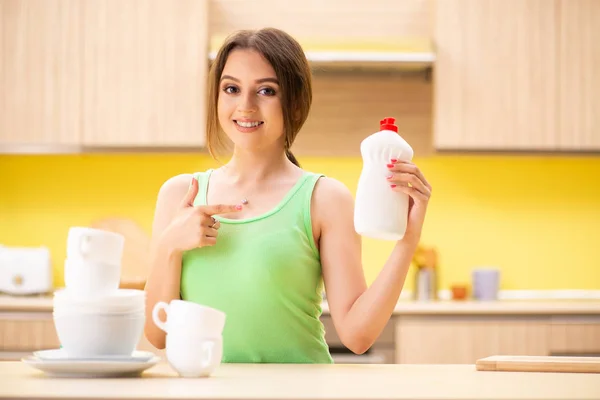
163,282
178,226
360,313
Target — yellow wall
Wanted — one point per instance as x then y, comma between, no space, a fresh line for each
535,217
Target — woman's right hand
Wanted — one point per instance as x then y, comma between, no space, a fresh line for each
194,226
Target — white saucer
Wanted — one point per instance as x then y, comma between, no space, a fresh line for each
61,355
90,368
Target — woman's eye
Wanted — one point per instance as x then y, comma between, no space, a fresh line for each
230,89
267,91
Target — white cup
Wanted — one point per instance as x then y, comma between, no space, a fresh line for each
91,279
95,245
186,317
193,356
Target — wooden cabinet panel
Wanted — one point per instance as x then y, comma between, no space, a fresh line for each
27,332
575,335
464,339
145,64
579,66
348,108
40,99
495,75
313,19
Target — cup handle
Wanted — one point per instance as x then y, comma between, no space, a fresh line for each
207,350
84,245
161,305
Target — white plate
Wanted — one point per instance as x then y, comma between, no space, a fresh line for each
90,369
61,355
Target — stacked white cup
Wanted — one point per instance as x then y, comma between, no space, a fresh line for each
92,316
194,340
93,264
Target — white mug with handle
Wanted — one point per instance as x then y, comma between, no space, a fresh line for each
194,343
193,356
189,317
95,245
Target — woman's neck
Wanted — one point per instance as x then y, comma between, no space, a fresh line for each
250,167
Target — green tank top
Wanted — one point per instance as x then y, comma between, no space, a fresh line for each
265,274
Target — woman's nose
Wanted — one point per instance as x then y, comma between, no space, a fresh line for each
247,103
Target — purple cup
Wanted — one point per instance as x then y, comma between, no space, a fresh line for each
486,283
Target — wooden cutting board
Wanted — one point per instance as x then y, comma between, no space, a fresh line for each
539,364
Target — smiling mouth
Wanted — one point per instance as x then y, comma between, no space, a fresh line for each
248,124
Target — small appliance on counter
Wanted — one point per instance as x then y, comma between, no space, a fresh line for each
25,270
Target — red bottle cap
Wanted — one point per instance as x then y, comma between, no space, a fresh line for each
388,124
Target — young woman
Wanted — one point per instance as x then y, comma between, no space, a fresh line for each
258,237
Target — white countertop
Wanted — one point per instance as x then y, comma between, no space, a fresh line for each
306,382
404,307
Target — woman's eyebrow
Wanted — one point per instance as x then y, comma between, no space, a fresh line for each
272,80
262,80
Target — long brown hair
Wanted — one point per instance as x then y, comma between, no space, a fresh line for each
287,58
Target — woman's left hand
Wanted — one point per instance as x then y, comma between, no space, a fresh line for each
406,177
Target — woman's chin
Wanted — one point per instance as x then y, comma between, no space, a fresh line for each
247,142
250,143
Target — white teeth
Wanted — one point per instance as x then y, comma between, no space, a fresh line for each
248,124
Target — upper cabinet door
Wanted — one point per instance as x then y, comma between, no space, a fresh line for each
145,68
579,66
495,75
40,92
320,24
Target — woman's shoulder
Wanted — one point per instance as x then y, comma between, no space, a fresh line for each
178,185
331,195
327,186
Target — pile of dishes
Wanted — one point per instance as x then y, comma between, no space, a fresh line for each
98,325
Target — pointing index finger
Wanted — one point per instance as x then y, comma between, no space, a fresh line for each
220,209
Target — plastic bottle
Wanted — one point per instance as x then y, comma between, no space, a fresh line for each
380,212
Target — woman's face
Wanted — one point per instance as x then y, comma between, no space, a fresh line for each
249,104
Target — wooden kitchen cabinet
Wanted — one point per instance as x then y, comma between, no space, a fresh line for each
109,75
145,66
103,74
40,72
575,335
464,339
23,333
496,75
364,98
318,20
579,73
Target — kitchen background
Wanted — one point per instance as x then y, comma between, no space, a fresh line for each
102,101
498,98
534,217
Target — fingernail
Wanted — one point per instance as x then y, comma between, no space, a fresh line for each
393,160
392,186
390,165
389,176
238,207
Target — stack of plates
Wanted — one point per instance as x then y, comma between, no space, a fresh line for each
56,362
